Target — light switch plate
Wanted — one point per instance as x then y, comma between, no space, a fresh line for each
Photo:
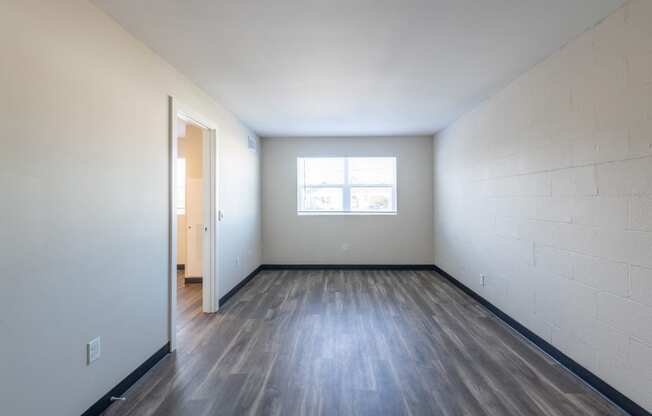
93,350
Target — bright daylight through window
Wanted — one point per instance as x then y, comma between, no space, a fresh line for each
353,185
180,184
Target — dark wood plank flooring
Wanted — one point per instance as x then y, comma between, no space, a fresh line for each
189,302
354,343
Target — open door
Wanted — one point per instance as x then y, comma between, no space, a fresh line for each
209,216
201,207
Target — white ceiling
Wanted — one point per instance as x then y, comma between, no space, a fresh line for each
353,67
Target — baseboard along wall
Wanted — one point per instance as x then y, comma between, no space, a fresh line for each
587,376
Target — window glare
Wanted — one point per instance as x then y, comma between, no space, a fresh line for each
323,199
371,199
367,171
181,186
324,171
339,184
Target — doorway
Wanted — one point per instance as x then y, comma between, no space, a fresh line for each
193,219
190,222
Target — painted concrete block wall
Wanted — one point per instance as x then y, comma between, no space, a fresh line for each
405,238
546,189
84,223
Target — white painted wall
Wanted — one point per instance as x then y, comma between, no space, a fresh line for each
547,190
84,224
348,239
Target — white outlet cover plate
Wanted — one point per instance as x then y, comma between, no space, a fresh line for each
93,350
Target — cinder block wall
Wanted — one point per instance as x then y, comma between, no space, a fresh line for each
546,189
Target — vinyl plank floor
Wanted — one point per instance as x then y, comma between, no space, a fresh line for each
342,342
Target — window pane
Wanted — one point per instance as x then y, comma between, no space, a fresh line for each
372,170
322,199
322,170
371,199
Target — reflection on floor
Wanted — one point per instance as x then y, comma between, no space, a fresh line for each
189,302
333,342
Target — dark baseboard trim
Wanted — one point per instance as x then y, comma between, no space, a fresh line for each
192,280
594,381
262,267
181,267
591,379
347,266
99,406
239,286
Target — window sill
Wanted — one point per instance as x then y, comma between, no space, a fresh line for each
338,213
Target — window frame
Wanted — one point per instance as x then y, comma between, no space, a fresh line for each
346,188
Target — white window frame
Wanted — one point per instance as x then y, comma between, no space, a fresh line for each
346,188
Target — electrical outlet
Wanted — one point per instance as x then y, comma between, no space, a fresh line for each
237,261
93,350
483,280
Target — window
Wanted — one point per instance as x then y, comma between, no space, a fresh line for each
181,186
351,185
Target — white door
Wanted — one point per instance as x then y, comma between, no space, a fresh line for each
195,228
209,241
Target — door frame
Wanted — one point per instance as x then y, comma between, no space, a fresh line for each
210,247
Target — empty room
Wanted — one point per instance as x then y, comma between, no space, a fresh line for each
326,207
